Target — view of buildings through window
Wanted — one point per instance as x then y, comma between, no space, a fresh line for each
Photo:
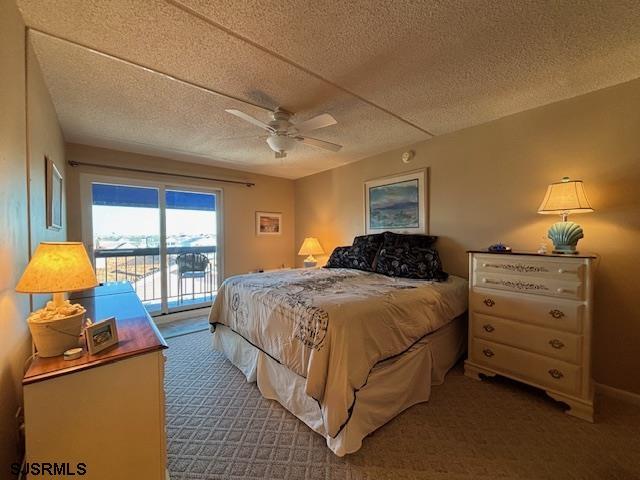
126,238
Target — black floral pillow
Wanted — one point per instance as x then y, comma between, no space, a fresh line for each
364,251
360,256
339,258
408,240
410,262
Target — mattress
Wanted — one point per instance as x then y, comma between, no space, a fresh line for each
393,385
332,326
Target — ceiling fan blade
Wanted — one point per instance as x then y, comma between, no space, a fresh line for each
320,121
242,137
249,119
314,142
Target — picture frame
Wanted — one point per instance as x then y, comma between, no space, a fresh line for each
54,192
397,203
268,223
101,335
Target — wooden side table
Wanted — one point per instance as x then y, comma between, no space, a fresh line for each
105,411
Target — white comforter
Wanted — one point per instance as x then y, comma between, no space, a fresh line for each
332,326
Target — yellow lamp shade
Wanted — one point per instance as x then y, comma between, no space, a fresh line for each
567,196
311,246
58,267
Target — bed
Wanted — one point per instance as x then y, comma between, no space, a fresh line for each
342,349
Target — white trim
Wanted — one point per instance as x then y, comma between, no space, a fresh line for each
181,315
618,394
162,247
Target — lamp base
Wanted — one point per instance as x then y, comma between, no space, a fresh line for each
310,262
54,337
565,236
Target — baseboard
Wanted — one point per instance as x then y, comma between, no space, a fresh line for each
172,317
618,394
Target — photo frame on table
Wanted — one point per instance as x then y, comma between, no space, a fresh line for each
397,203
268,223
54,193
101,335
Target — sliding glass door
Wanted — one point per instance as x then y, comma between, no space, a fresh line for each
191,243
161,239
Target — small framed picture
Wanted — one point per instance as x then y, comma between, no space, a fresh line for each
101,335
268,223
55,192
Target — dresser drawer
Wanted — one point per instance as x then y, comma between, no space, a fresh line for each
534,285
546,372
545,312
565,269
551,343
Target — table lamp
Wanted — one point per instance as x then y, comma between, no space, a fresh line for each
310,246
563,198
57,268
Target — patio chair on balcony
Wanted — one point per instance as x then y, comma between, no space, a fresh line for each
192,266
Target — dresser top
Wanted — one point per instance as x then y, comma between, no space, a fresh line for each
536,254
137,334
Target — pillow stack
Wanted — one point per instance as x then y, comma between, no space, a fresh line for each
392,254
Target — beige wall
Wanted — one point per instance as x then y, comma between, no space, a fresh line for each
243,250
44,136
486,183
45,139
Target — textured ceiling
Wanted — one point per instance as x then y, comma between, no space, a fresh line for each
390,71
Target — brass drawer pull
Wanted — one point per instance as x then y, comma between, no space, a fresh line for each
555,343
488,328
556,373
556,313
488,353
489,302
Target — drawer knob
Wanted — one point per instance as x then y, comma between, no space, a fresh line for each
488,352
555,373
489,302
561,270
488,328
555,343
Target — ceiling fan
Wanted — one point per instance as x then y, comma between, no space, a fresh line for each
283,134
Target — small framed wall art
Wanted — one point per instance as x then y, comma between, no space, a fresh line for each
54,191
268,223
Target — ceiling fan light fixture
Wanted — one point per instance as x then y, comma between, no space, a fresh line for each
279,143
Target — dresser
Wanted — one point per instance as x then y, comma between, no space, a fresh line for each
530,319
105,411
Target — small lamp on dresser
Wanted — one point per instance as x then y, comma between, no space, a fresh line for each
562,198
57,268
311,246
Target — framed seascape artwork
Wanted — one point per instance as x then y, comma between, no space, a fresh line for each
54,195
268,223
396,204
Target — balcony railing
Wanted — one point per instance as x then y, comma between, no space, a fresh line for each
192,274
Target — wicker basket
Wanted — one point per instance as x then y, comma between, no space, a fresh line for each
54,337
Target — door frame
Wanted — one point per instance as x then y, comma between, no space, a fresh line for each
86,221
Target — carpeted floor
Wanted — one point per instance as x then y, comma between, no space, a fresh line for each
220,427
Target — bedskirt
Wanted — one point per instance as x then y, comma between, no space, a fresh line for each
392,386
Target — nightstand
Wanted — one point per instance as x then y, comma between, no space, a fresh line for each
530,319
104,410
